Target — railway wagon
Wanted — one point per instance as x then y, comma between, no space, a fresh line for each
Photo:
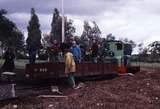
113,62
47,70
53,70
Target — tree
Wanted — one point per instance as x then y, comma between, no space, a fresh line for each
90,33
86,35
46,41
69,29
10,35
126,40
144,51
110,37
154,48
6,27
78,40
3,12
141,52
56,27
18,41
34,32
140,48
96,33
86,31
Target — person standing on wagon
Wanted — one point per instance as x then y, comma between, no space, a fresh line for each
94,50
55,52
76,51
70,66
32,49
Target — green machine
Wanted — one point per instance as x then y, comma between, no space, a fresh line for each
114,52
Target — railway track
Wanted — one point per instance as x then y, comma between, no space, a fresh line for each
13,87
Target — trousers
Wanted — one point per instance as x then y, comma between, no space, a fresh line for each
71,79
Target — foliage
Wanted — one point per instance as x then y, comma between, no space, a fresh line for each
110,37
151,53
90,33
154,48
86,35
46,41
96,33
126,40
69,28
78,40
56,27
3,12
34,32
9,33
140,48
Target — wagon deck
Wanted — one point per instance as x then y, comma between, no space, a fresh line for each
46,70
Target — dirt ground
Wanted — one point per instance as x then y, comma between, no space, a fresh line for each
141,91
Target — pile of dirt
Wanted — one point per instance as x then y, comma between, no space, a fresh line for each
139,91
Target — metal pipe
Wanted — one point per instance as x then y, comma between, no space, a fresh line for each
62,8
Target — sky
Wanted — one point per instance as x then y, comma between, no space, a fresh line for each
137,20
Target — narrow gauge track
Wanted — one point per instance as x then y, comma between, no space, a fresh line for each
33,87
39,77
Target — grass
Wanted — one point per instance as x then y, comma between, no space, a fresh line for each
146,64
21,63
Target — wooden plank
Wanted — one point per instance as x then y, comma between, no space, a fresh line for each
52,96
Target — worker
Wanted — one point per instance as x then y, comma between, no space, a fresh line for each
94,50
70,66
55,49
76,51
32,49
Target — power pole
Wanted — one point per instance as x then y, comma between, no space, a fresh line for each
62,8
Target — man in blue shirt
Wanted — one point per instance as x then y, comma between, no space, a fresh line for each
76,51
